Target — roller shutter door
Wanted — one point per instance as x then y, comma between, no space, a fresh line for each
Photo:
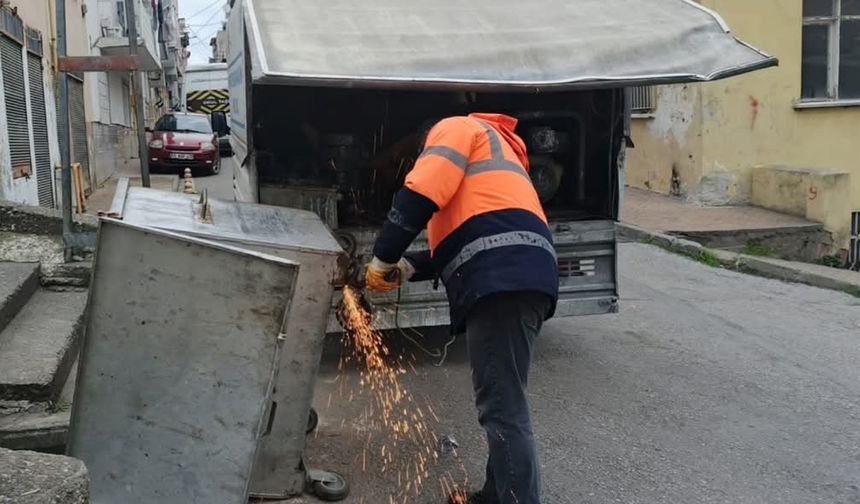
78,125
14,91
40,131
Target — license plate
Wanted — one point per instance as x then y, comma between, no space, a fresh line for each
185,157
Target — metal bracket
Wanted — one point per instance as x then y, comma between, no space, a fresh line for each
99,63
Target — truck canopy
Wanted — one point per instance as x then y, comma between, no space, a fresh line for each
490,44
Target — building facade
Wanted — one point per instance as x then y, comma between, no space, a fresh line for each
29,147
102,138
111,116
781,138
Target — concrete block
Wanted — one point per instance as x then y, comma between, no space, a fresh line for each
18,281
722,188
780,188
39,345
829,201
818,195
38,478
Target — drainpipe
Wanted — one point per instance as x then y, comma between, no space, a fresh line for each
53,44
63,134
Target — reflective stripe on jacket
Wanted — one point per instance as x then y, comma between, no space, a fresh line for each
485,225
467,169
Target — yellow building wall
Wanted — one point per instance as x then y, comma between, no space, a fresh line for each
667,157
750,120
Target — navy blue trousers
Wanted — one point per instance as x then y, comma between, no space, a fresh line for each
500,331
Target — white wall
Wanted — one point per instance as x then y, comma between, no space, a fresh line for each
118,101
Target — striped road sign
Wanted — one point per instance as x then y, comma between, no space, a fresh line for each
208,101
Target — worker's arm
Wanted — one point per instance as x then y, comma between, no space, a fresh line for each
430,185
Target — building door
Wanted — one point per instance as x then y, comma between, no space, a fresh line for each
78,128
18,130
41,145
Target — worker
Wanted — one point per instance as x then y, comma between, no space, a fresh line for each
491,246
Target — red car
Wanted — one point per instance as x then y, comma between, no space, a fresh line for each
181,140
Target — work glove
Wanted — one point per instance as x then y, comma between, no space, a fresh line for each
385,277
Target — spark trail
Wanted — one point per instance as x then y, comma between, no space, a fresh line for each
407,425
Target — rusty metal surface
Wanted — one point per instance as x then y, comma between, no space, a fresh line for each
99,63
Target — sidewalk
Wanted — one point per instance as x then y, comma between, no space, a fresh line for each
100,200
701,233
658,212
733,228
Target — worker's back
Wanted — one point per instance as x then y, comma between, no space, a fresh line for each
490,232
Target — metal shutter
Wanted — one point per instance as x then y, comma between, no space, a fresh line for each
78,125
16,105
40,131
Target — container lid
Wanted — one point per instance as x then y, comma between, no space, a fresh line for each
247,223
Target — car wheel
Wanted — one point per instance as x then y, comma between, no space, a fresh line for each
216,166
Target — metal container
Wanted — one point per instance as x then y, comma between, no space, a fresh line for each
292,234
177,366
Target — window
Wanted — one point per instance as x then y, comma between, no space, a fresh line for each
831,50
120,16
642,100
184,123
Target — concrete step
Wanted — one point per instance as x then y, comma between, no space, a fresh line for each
18,281
34,426
39,478
42,426
38,347
74,274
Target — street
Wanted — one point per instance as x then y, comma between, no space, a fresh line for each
220,185
711,386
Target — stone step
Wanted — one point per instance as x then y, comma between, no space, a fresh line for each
38,347
40,426
18,281
39,478
75,274
34,426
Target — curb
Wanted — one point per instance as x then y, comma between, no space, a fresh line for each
764,267
662,240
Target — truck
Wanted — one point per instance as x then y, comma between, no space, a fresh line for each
206,92
328,100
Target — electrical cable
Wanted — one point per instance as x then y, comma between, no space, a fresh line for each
442,354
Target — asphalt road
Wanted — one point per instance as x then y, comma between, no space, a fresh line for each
710,387
220,186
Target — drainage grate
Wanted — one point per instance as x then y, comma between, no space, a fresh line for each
854,248
577,267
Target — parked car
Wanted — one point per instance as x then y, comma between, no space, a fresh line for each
182,140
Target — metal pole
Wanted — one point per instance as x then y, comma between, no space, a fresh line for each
63,133
137,94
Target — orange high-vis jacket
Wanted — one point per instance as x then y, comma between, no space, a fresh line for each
472,166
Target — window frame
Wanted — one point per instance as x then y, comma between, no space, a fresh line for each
834,24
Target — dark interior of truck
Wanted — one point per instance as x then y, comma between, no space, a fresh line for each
358,144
